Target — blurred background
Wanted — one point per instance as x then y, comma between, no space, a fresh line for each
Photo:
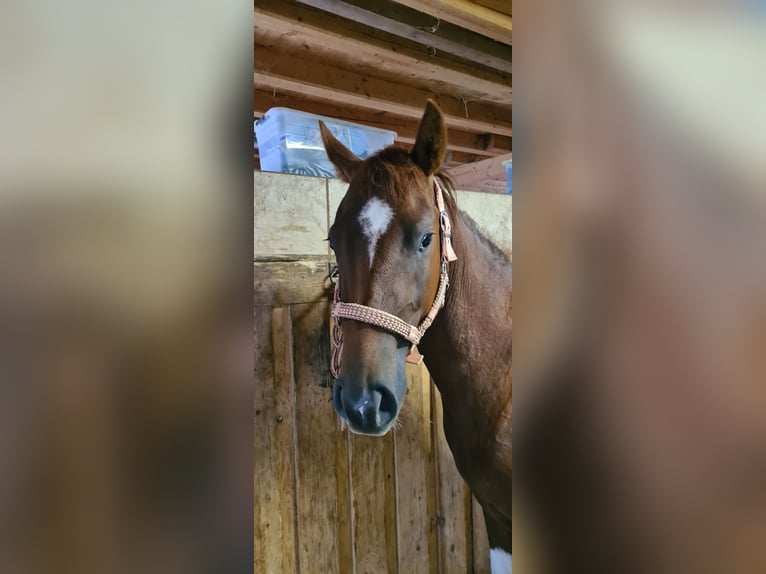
126,308
126,287
640,295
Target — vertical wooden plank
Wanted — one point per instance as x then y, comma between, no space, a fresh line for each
480,542
373,495
335,190
416,502
453,510
263,477
346,557
274,475
323,506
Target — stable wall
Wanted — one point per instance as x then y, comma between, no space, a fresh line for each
326,500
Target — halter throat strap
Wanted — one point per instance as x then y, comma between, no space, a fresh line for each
387,321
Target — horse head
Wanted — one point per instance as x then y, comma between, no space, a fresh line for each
386,239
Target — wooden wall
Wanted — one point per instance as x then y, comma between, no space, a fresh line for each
326,500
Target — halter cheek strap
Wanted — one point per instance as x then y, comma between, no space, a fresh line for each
448,254
387,321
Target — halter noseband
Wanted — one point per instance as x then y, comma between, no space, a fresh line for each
387,321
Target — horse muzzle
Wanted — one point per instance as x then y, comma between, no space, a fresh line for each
369,409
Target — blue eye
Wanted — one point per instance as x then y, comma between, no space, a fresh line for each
426,241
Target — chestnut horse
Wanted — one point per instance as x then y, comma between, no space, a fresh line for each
399,241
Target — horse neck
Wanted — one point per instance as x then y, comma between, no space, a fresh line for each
468,348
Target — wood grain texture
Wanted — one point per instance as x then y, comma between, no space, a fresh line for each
320,508
491,168
301,75
274,474
416,501
480,541
413,25
290,215
405,128
474,17
453,510
373,495
343,481
290,282
504,6
300,31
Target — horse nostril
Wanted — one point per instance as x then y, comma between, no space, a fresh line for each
366,410
364,413
389,407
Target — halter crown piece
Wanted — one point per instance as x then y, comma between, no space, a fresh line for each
387,321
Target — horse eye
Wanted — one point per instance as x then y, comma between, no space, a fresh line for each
426,241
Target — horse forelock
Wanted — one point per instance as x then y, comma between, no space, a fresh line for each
392,176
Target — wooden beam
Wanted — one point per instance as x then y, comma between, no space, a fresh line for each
405,128
486,169
314,79
499,144
298,30
407,23
474,17
504,6
461,158
454,158
487,186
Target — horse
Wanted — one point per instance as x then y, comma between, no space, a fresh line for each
413,269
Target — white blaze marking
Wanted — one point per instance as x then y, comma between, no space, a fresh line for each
499,561
374,218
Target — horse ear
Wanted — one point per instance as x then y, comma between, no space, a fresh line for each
342,158
431,144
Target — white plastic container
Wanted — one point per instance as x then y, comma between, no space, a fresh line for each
289,141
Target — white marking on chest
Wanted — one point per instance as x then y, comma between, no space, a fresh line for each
500,561
374,218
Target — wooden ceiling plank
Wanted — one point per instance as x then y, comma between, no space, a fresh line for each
499,144
436,26
484,170
496,55
461,158
489,186
474,17
504,6
405,128
454,158
286,26
275,72
290,85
